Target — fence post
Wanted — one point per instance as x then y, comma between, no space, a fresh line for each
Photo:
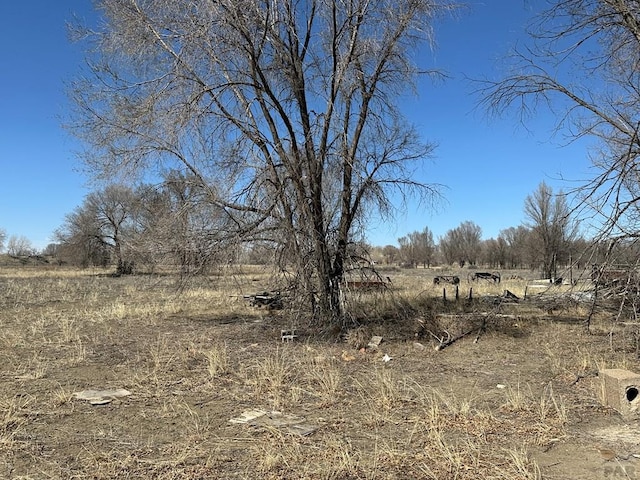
471,293
444,294
457,294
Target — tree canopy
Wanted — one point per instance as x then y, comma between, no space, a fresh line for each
284,111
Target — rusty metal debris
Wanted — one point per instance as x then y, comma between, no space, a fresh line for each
272,300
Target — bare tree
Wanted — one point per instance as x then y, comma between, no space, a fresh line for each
425,246
495,252
51,250
99,227
3,237
176,225
417,248
583,63
390,253
462,244
282,109
551,228
19,245
80,241
407,252
447,248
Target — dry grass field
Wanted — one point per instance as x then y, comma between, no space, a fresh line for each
514,400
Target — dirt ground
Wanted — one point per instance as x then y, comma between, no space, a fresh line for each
515,400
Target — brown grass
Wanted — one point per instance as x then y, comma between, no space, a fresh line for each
197,359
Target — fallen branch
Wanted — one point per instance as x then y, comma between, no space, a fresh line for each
451,340
482,328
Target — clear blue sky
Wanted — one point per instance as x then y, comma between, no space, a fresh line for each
39,183
489,166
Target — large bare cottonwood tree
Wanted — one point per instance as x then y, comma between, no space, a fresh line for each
284,110
583,63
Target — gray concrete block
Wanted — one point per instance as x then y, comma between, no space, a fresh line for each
620,390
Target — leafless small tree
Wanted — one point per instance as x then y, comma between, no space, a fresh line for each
391,254
283,110
495,252
175,225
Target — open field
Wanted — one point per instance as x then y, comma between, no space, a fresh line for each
516,400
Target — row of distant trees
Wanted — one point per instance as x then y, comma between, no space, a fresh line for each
548,239
16,245
514,248
171,224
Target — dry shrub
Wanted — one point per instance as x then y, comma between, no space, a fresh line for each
358,337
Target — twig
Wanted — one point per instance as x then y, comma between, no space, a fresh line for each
452,340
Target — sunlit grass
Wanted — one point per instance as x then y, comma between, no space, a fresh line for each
195,356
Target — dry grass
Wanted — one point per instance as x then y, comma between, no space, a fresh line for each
193,361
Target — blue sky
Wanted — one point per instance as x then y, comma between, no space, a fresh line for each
488,165
39,183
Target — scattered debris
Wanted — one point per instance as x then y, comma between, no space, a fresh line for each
478,321
418,346
386,358
501,386
272,300
288,335
288,423
101,397
248,416
510,296
375,341
452,279
347,357
587,296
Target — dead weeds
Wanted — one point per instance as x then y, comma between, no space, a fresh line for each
496,404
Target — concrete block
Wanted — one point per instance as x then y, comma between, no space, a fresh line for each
620,390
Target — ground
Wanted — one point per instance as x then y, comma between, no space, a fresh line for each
515,400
